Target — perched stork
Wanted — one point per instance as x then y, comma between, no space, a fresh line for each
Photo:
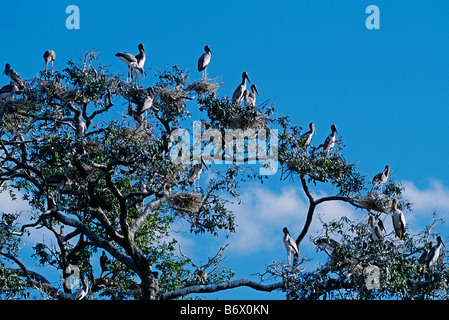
376,229
146,102
237,97
137,117
80,125
104,261
381,178
290,245
425,255
132,62
82,292
306,138
57,181
398,220
204,61
9,91
49,56
141,57
329,143
250,98
434,252
196,171
14,76
167,139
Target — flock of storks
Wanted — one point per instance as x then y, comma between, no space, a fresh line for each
136,64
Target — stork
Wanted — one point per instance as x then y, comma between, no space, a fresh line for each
9,91
306,138
146,102
376,229
49,56
14,76
290,245
57,181
141,57
434,252
80,125
423,258
329,143
204,61
104,261
398,220
250,98
137,117
237,97
196,171
82,292
381,178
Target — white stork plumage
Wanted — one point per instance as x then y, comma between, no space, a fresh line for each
381,178
423,258
376,229
168,139
398,220
146,102
329,143
132,62
49,56
237,97
57,181
104,261
306,138
250,97
434,253
196,171
14,76
290,244
204,61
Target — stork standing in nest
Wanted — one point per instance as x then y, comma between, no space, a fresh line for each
290,245
204,61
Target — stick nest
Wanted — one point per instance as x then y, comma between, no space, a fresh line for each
185,201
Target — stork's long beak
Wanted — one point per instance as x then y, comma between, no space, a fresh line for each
255,89
247,78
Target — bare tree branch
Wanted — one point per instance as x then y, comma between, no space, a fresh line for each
223,286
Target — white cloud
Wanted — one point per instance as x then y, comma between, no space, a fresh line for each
265,212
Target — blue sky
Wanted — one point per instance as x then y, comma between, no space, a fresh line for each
386,90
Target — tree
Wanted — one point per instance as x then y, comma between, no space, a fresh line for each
100,182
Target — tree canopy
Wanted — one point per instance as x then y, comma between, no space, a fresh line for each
100,176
